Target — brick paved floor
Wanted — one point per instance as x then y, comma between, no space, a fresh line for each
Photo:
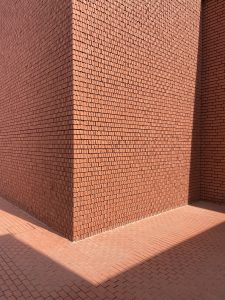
179,254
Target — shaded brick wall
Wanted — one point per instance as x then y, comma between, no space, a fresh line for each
213,102
136,92
36,137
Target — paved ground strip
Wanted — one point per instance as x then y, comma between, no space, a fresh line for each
179,254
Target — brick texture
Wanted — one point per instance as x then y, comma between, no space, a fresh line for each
36,137
100,104
176,255
137,99
213,102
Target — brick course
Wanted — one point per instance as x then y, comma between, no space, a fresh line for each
36,131
100,109
213,103
136,96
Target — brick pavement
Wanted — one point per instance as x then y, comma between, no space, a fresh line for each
178,254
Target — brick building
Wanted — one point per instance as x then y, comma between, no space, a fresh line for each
111,111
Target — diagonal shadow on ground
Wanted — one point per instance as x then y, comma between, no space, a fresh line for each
193,269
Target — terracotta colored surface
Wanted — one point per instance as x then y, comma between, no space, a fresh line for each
99,109
36,131
176,255
213,102
137,99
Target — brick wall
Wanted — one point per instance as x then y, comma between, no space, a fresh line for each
137,98
36,132
213,102
106,134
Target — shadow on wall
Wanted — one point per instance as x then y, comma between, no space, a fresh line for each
195,163
213,103
193,269
9,209
207,205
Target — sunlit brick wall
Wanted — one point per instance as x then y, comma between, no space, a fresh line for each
100,111
213,102
36,132
137,98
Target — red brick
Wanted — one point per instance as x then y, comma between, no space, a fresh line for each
100,109
213,103
136,92
36,109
